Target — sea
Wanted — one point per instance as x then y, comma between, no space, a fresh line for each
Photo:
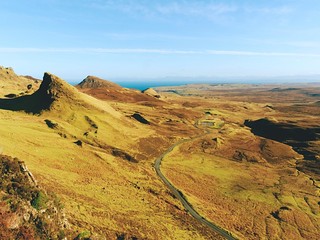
142,85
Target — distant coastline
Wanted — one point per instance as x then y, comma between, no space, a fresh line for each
144,84
141,85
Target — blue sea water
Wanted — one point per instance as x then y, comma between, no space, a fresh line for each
142,85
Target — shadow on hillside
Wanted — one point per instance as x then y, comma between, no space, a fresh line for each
297,137
34,103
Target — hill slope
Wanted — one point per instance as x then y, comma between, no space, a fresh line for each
97,160
12,85
106,90
95,82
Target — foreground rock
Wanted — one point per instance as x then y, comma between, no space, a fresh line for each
26,210
51,90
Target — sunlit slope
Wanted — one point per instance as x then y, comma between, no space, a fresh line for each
106,90
85,151
12,85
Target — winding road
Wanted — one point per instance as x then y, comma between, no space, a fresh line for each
188,207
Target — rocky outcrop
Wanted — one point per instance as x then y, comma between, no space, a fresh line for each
151,92
139,118
51,90
27,211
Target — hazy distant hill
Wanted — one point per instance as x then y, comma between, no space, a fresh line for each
95,82
107,90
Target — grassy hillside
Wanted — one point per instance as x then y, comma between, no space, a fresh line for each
97,157
12,85
98,161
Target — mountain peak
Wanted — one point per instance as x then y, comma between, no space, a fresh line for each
54,87
95,82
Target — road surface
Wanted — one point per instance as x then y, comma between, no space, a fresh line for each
180,195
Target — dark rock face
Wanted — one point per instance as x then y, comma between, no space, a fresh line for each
79,143
140,119
119,153
51,89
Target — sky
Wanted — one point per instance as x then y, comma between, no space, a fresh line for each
146,39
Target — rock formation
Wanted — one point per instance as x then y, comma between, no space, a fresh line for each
151,92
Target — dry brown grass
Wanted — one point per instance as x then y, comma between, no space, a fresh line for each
254,187
101,193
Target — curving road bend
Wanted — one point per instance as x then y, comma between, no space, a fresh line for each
188,207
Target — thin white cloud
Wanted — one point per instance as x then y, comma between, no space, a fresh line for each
149,36
280,10
155,51
304,44
195,9
271,54
312,45
207,9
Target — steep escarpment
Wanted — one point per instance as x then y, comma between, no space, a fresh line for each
52,90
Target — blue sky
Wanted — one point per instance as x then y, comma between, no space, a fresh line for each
140,39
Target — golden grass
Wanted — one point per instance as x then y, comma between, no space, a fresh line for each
109,195
100,192
241,197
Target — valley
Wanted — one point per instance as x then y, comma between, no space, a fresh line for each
245,157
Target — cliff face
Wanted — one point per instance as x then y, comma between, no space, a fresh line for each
52,90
